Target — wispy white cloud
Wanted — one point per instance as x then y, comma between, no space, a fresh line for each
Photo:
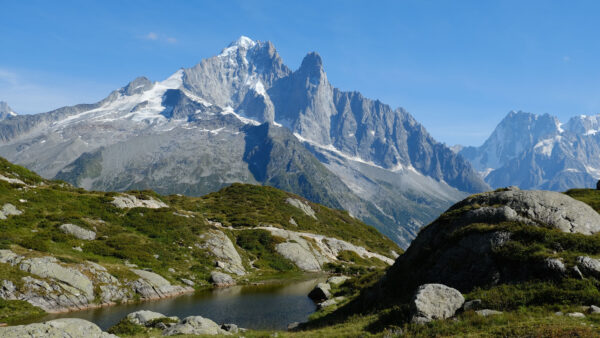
152,36
566,58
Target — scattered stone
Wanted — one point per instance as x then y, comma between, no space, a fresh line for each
435,301
9,210
78,232
231,328
77,248
125,201
22,201
320,293
195,325
187,282
220,279
576,315
293,222
474,304
66,327
488,312
558,313
336,280
171,270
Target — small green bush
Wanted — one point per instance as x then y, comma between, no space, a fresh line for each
125,327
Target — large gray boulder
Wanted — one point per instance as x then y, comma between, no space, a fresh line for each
320,293
223,249
59,328
153,286
195,325
220,279
589,266
78,232
143,317
435,301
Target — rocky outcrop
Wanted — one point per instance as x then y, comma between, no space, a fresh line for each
69,278
310,251
219,244
456,250
56,287
320,293
220,279
195,325
9,210
125,201
435,301
78,232
153,286
306,209
488,312
66,327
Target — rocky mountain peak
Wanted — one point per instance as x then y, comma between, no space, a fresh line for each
6,111
312,65
138,85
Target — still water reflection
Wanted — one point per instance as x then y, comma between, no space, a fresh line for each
271,306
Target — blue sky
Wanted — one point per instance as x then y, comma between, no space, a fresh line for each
457,66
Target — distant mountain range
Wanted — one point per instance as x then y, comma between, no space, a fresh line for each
244,116
539,152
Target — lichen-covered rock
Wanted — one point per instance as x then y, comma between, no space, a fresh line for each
59,328
217,243
125,201
78,232
9,210
195,325
435,301
220,279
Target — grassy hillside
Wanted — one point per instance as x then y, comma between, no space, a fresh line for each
162,240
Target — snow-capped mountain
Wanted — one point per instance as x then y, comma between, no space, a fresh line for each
6,111
539,152
243,116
